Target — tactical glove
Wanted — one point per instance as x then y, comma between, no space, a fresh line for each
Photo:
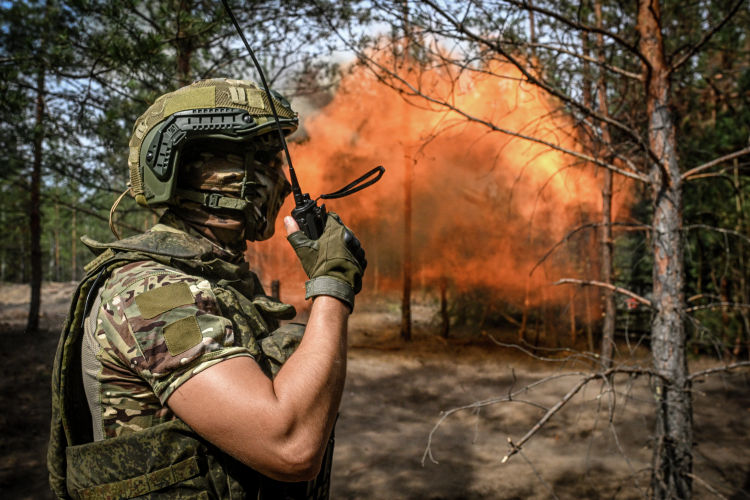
334,263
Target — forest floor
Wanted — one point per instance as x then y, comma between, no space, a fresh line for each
394,396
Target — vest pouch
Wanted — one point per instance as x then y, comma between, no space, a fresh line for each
164,462
280,345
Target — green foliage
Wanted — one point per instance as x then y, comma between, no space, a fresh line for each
105,62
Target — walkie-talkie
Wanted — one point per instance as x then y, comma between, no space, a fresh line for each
310,217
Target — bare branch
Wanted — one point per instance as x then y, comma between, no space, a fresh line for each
635,76
686,176
542,84
583,27
516,447
617,289
718,369
632,175
706,485
718,230
707,36
634,227
736,305
539,476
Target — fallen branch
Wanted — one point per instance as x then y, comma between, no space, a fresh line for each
614,288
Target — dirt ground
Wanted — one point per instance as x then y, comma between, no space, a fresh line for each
394,396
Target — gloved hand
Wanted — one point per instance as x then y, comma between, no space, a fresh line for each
334,263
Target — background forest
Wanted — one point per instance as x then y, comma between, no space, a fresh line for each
526,143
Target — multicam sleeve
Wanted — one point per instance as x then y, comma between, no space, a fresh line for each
170,328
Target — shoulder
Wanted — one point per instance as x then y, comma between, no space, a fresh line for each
161,322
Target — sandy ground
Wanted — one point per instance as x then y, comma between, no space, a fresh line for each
394,397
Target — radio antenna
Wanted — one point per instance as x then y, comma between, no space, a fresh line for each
295,184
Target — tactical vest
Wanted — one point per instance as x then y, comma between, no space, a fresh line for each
168,461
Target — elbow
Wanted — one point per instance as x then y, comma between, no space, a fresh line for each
294,464
300,462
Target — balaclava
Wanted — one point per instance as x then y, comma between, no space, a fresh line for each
221,166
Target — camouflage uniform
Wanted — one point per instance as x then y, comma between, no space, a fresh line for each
158,308
169,309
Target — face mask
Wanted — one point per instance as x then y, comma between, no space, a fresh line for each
271,189
224,173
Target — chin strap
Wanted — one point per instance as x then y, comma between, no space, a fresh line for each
112,213
218,200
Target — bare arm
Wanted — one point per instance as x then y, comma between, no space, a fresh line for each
279,428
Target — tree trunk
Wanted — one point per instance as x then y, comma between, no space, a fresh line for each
406,300
73,240
408,162
57,241
446,321
185,45
673,444
608,329
35,215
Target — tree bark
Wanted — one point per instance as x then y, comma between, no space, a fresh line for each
672,461
446,321
57,241
35,215
406,300
607,247
73,240
185,45
408,162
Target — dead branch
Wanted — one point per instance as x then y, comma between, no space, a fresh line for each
575,357
736,305
719,369
706,37
633,175
515,448
617,289
634,227
544,85
706,485
686,176
583,27
539,476
488,402
718,230
614,69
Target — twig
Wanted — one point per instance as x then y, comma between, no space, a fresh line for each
580,228
718,369
718,304
614,288
706,37
544,483
705,485
713,163
515,448
717,229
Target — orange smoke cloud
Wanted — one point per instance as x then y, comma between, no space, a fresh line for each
486,206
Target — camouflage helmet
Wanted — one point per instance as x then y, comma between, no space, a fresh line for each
227,110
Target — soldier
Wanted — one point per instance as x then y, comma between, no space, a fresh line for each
173,379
